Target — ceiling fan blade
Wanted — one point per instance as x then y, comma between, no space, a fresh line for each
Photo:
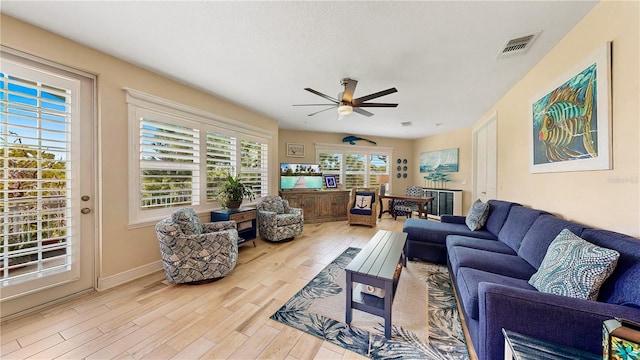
340,117
376,105
329,108
360,100
362,111
314,105
349,88
323,95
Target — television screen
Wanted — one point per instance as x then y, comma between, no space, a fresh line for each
300,176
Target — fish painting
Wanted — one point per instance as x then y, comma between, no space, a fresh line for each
564,121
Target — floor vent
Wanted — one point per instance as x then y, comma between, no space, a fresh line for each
517,46
406,123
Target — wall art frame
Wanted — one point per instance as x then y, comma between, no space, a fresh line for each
295,150
570,120
440,160
330,182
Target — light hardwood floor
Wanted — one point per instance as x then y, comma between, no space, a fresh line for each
226,319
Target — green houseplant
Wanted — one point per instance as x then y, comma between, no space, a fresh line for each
233,191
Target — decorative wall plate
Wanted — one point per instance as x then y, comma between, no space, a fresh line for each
399,175
399,161
404,175
404,161
399,168
404,168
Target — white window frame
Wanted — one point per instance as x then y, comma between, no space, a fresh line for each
354,149
140,103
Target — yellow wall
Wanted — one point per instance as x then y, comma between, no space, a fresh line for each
402,149
460,180
606,199
122,249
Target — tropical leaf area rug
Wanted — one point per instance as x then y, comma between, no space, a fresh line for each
425,318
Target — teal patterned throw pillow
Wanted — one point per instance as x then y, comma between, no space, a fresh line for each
477,216
574,267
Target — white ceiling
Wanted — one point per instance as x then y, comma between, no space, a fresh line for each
440,55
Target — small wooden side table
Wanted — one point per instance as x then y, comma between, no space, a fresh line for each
245,219
523,347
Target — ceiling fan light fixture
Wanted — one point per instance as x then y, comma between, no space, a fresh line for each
345,109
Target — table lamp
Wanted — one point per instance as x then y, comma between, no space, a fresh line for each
383,180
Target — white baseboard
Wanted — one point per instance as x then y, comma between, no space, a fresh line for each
108,282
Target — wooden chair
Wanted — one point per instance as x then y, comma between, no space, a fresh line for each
363,206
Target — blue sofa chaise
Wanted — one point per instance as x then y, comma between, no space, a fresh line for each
490,270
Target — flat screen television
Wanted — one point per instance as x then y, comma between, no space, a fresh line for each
295,176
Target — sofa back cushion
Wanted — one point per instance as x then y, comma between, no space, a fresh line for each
536,241
518,223
498,211
622,286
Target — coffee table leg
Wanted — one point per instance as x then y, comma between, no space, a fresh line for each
388,300
349,297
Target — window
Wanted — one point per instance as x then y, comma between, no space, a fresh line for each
354,166
182,155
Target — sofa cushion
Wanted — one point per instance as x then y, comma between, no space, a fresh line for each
503,264
574,267
517,224
467,282
535,243
498,211
621,287
477,216
480,244
421,230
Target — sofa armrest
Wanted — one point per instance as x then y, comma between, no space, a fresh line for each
560,319
454,219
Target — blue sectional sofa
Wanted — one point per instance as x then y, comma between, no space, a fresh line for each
490,270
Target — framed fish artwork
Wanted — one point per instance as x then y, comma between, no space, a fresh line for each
571,119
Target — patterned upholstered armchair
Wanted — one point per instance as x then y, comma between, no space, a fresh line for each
362,207
192,251
405,207
278,221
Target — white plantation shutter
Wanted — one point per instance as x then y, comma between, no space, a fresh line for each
169,164
36,220
355,170
221,160
181,155
354,166
378,165
331,163
254,166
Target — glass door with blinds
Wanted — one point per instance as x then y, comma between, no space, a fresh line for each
46,225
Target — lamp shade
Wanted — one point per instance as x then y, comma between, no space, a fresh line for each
382,179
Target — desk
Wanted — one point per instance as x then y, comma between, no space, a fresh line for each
418,199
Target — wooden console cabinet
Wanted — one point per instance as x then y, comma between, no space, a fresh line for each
319,205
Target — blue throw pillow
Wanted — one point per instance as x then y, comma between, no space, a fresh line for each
574,267
477,216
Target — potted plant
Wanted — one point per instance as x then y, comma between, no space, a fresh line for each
233,191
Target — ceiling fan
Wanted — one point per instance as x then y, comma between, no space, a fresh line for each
345,102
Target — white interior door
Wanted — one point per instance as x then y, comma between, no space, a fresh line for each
47,222
485,161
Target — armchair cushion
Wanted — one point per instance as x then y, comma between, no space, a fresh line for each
188,221
363,202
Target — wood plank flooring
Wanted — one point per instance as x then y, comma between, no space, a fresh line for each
226,319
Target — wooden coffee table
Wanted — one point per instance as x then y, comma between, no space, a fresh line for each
375,265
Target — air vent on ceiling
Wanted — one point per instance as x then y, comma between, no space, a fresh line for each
517,46
406,123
